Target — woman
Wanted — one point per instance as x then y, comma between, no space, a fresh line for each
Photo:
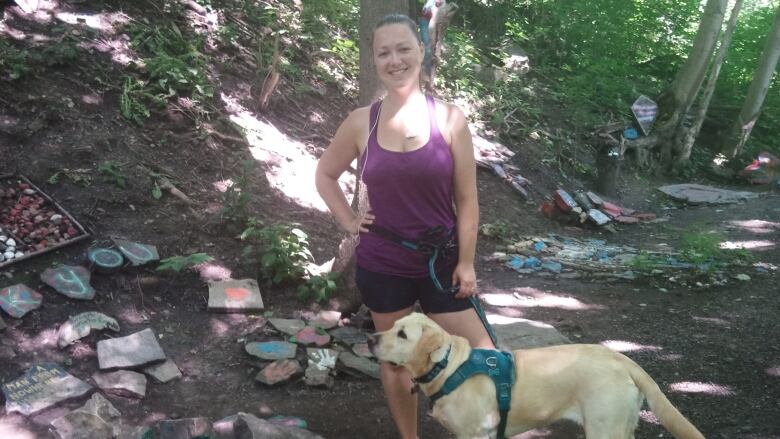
417,161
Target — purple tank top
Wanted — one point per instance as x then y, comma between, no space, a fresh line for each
409,193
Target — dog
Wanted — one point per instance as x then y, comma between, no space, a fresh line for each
598,388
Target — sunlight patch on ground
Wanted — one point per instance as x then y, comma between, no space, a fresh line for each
210,271
103,22
496,319
132,316
536,433
528,297
627,346
698,387
670,357
289,167
733,245
218,327
10,427
774,371
757,226
118,48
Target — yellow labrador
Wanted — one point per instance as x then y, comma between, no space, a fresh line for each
592,385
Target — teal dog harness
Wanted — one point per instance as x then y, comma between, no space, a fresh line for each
498,365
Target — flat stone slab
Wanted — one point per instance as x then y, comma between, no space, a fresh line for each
349,335
187,428
82,425
287,326
19,299
361,364
311,336
81,325
316,377
362,350
248,426
526,334
135,350
323,359
43,386
133,432
700,194
98,405
70,281
279,371
271,350
122,382
288,421
326,319
137,254
235,296
164,372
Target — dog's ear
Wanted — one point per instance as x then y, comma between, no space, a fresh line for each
431,341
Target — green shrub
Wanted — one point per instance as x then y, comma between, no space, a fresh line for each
319,287
282,250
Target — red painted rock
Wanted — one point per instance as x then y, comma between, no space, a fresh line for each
279,371
311,335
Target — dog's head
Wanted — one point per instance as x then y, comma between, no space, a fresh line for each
415,342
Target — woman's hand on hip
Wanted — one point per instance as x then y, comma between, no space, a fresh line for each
360,223
465,276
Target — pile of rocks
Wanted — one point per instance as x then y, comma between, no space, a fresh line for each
35,222
589,207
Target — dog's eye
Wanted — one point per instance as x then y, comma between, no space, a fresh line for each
401,334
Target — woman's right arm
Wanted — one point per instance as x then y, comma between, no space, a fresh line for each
343,149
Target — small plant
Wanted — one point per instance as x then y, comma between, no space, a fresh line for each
236,196
81,177
646,262
60,54
500,230
701,248
178,263
113,173
131,101
13,62
283,249
319,287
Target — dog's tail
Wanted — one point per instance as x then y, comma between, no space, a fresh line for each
670,417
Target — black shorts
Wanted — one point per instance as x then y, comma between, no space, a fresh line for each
385,293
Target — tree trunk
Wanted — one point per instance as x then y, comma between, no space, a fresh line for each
739,133
687,136
439,22
677,99
370,89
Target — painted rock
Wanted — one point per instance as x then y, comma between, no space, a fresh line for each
81,325
105,260
137,254
70,281
271,350
279,371
235,296
18,300
311,335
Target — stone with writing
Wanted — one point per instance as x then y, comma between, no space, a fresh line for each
163,372
19,299
138,254
187,428
361,364
287,326
279,371
122,382
70,281
312,336
133,351
43,386
241,295
81,325
271,350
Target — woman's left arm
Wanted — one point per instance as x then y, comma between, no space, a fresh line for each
466,202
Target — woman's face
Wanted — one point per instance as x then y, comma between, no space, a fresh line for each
397,54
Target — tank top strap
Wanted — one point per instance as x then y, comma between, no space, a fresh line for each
373,122
432,116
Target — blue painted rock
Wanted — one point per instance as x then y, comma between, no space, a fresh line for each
19,299
71,281
105,260
271,350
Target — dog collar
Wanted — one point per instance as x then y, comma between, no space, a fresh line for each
436,369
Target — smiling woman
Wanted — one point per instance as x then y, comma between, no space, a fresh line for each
418,168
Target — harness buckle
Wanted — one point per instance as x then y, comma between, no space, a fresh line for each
491,361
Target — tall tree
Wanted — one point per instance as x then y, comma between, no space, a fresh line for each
738,135
687,136
370,89
676,100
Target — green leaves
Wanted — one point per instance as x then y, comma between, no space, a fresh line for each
177,263
283,249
